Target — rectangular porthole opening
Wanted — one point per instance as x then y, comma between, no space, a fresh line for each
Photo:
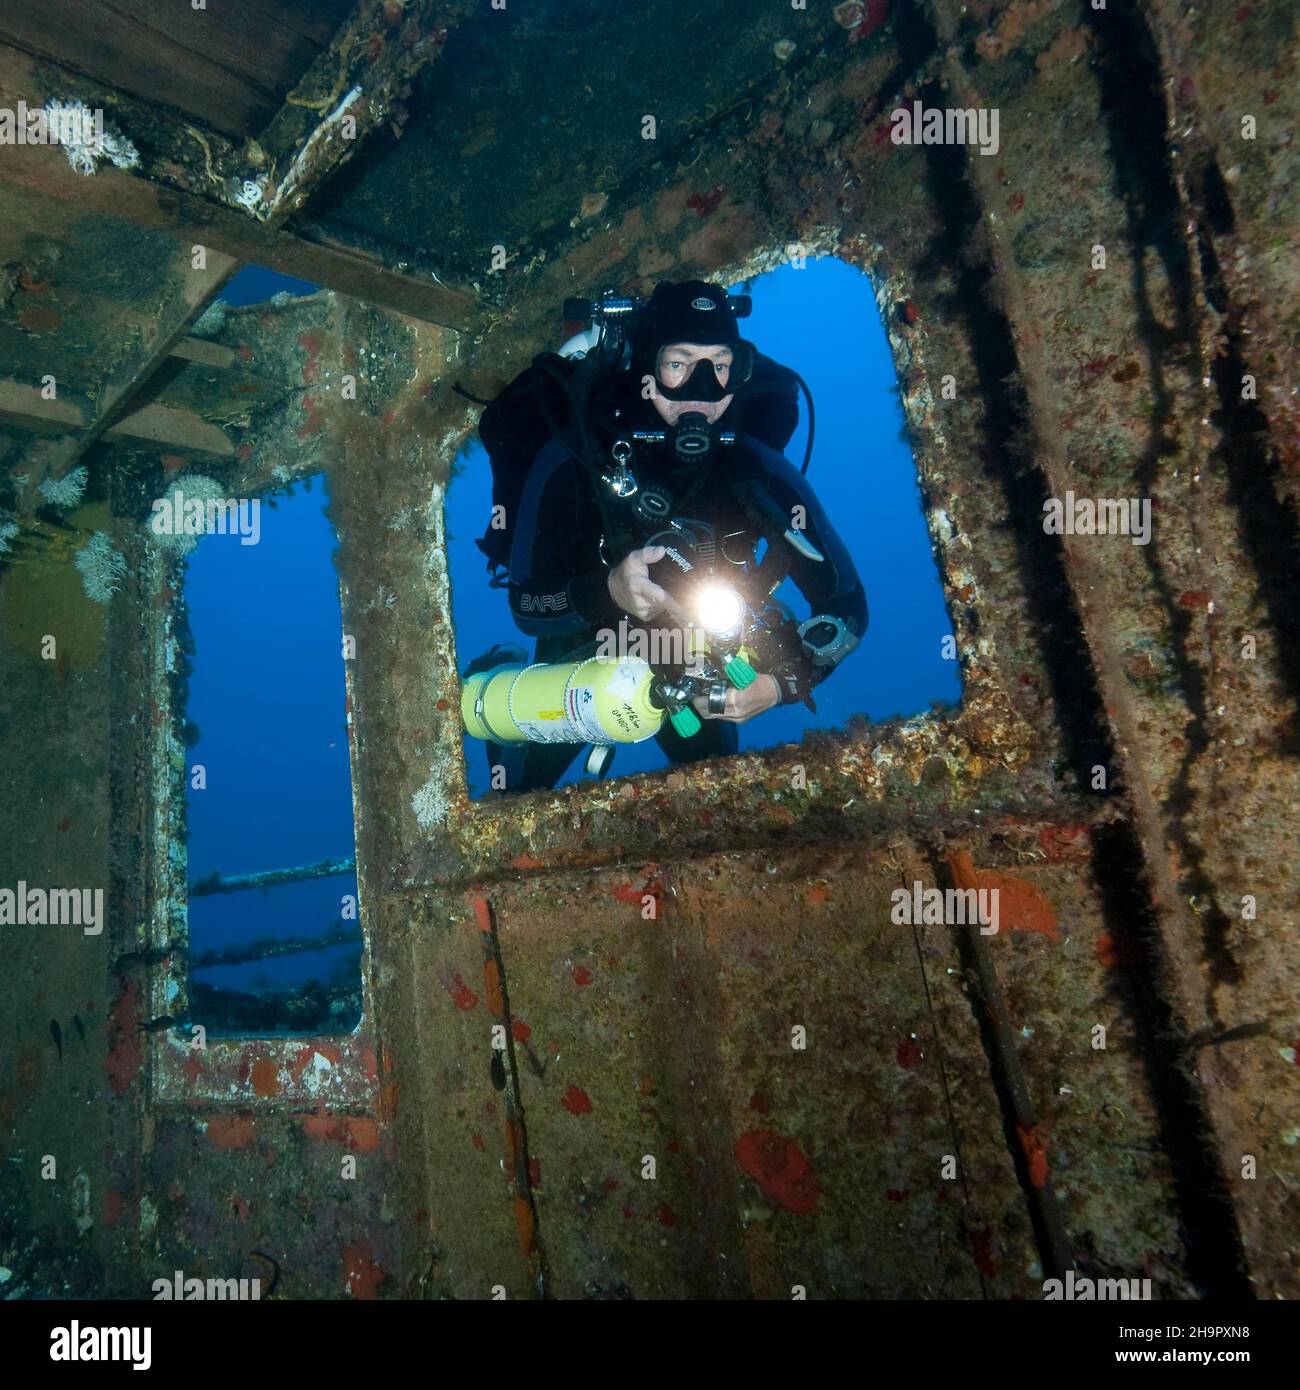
274,929
819,317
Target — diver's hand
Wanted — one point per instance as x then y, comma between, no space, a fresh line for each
756,698
631,587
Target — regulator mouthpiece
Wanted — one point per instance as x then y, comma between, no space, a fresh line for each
691,439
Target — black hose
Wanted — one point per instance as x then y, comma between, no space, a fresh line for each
812,420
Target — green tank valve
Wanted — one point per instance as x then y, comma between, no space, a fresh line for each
740,673
685,721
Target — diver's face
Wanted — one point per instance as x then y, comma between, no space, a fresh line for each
674,366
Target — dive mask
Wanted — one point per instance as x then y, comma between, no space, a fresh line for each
703,383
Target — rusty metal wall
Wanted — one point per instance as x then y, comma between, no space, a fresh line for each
670,1036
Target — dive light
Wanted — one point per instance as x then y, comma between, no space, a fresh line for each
720,611
712,604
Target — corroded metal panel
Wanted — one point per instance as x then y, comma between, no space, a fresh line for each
766,1038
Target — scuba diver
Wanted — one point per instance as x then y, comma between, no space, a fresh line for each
640,461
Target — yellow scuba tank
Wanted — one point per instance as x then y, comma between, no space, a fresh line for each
601,700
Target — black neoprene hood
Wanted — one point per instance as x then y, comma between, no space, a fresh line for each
691,312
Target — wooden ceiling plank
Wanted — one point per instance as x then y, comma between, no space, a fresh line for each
251,47
183,430
154,423
207,354
179,189
333,267
120,53
317,20
23,404
348,272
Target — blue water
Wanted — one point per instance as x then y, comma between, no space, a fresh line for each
251,284
822,321
267,694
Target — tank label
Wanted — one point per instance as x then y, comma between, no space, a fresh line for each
552,727
580,702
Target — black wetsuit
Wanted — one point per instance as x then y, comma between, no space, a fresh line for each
559,580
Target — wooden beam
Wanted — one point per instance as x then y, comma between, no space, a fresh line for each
347,91
24,406
226,67
206,353
184,185
183,430
348,272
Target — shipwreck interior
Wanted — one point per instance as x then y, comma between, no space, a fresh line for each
662,1037
823,314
